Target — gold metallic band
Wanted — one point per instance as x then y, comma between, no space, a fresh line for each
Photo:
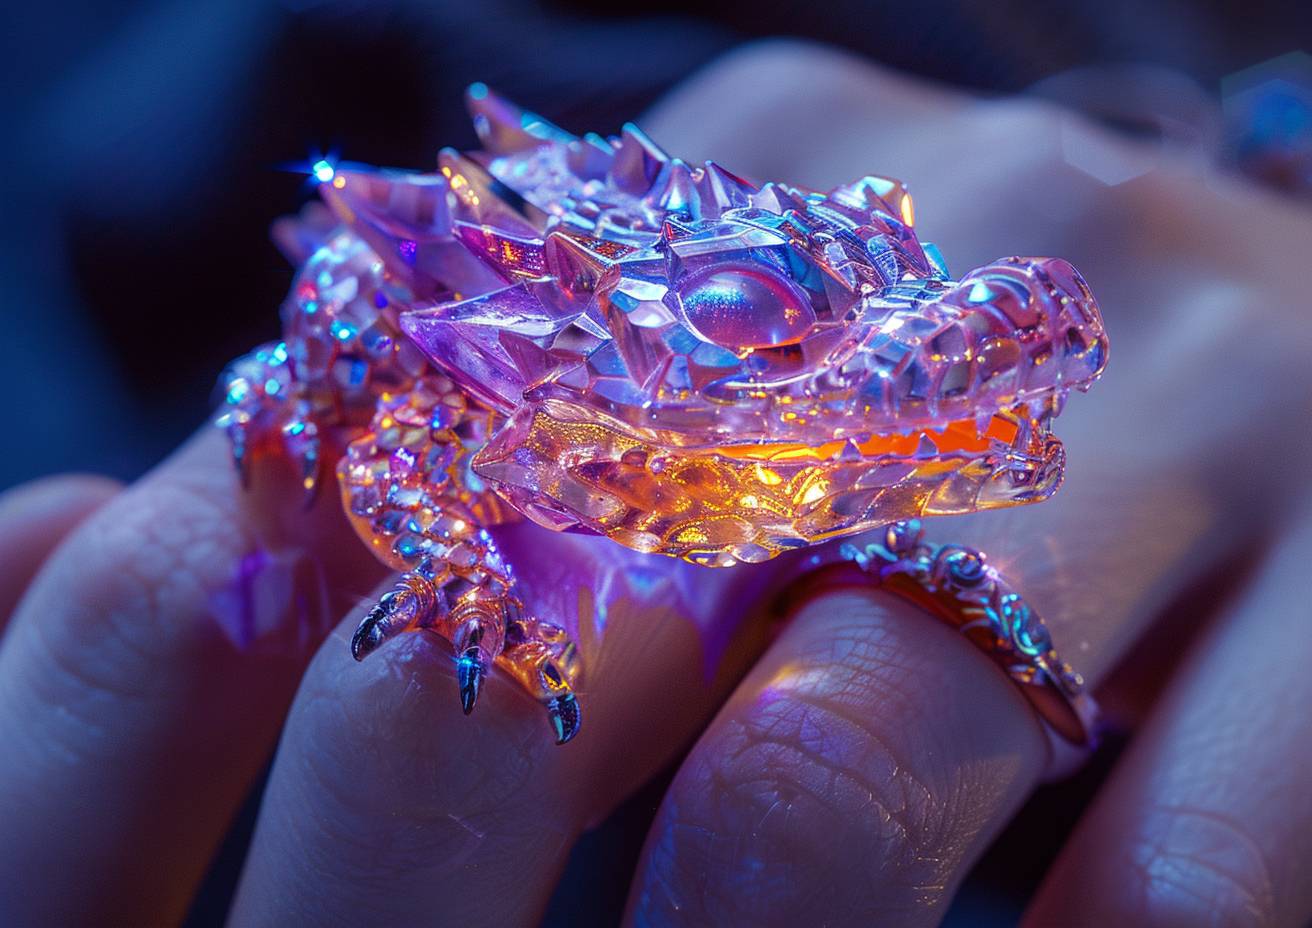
957,585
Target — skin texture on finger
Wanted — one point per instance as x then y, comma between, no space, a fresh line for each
387,806
34,518
865,761
1208,819
145,676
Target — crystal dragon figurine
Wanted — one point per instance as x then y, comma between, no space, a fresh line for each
600,337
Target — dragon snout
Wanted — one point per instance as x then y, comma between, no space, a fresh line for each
1053,321
1081,338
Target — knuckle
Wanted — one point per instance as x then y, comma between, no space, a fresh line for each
790,61
804,781
761,85
1196,866
113,618
1022,123
131,592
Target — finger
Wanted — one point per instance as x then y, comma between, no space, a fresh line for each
34,519
143,680
861,766
1070,560
1069,556
386,805
1208,819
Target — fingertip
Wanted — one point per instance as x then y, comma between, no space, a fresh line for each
397,721
381,774
566,718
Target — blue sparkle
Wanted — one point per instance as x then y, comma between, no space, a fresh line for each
979,293
408,546
323,171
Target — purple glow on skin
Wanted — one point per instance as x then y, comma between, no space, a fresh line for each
248,570
562,572
276,601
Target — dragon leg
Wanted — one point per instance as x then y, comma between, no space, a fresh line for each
267,410
408,490
341,349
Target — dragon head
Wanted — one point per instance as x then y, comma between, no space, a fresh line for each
702,366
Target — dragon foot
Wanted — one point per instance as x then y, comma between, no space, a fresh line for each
265,411
483,629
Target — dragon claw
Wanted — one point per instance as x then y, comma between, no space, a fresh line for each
369,634
471,670
565,716
398,610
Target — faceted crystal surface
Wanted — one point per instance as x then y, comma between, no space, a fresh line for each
699,365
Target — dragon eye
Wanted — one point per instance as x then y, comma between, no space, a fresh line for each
745,307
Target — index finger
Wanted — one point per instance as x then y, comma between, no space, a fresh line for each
383,791
144,679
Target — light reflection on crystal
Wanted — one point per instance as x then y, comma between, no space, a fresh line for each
681,359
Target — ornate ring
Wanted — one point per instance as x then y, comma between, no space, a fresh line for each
957,585
590,333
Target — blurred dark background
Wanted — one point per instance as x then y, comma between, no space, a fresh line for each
144,150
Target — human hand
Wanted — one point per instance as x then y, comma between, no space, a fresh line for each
866,758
